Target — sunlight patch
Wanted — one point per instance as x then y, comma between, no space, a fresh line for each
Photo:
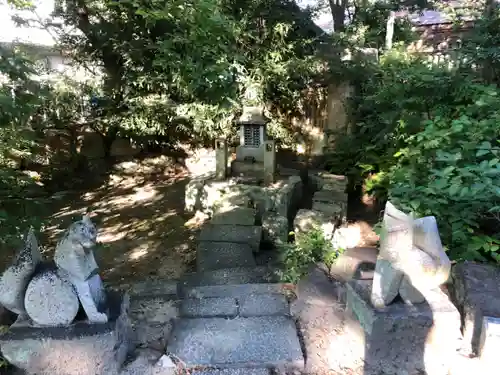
138,253
111,236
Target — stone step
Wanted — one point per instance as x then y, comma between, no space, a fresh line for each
233,371
234,291
328,196
227,276
213,255
236,216
246,234
244,306
266,341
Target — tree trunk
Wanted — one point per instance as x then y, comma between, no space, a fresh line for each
338,8
389,33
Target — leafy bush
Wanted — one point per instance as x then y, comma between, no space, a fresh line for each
21,98
308,249
427,138
451,169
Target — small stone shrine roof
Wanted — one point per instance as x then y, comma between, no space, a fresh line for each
252,116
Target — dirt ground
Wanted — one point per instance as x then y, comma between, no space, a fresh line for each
143,230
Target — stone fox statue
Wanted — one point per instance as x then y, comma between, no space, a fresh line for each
50,293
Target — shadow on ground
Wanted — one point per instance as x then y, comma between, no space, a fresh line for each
139,210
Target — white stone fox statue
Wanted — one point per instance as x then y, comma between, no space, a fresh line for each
50,295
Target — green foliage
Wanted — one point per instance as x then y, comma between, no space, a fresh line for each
451,169
309,248
427,138
20,100
196,56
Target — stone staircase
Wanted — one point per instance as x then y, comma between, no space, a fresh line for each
233,319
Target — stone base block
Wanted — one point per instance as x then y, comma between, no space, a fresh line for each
242,168
274,228
79,349
327,181
402,339
475,291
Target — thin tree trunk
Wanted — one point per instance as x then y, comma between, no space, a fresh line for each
338,7
389,33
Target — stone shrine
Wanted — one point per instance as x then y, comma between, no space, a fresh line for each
255,155
67,322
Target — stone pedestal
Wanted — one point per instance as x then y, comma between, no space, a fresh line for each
402,339
220,159
78,349
269,161
475,291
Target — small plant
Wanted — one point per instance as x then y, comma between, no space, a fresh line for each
308,249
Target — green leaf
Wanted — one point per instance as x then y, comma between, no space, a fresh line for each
482,152
454,189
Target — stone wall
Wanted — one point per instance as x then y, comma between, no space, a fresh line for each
323,113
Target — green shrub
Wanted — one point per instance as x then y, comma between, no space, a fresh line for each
451,169
309,248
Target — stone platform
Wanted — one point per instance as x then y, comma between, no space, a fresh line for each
79,349
402,339
475,290
263,341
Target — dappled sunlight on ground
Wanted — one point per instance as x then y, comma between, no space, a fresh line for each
143,230
360,233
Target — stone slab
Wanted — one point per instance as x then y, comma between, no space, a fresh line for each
263,304
235,291
165,288
475,291
242,168
78,349
209,307
335,210
407,339
269,341
153,309
151,335
216,255
227,276
329,196
151,318
236,216
327,181
274,228
244,234
233,371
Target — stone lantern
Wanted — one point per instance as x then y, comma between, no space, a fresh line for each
252,124
255,156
